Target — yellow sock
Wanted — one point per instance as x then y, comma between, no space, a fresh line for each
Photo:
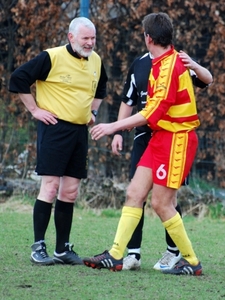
129,220
177,232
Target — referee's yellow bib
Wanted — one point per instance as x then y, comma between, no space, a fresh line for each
70,87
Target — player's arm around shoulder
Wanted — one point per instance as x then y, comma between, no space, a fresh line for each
202,73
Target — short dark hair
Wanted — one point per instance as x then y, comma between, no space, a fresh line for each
159,27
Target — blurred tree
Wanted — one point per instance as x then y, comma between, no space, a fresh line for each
28,27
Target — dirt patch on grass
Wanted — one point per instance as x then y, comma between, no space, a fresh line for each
12,205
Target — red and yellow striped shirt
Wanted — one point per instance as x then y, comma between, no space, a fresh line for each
171,103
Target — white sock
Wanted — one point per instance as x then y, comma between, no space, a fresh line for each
172,249
135,250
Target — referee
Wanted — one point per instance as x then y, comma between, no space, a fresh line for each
70,85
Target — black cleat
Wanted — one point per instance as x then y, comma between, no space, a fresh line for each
183,267
104,261
69,257
39,255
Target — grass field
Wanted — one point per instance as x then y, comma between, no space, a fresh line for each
92,233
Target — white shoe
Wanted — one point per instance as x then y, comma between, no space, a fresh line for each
167,261
130,262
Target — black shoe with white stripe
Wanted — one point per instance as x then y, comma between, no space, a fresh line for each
68,257
183,267
104,261
39,255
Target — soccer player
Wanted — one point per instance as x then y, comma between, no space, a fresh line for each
134,94
172,115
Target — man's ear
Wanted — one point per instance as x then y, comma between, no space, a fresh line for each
149,38
70,37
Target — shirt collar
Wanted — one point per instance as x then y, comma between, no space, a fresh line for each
74,54
167,53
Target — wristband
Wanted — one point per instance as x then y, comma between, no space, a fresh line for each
120,132
94,112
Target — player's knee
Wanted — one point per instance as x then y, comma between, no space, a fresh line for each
134,195
69,195
155,204
48,194
131,193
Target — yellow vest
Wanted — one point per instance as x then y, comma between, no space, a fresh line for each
70,87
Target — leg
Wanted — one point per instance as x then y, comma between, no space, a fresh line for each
134,200
63,216
41,216
172,254
162,203
133,259
171,247
43,206
129,219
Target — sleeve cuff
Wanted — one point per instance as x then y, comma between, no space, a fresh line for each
120,132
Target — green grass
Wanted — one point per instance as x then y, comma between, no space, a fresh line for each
92,233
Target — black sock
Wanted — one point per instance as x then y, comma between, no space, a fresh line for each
41,216
169,241
63,217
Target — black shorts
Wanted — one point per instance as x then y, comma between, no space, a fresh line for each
141,140
62,149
